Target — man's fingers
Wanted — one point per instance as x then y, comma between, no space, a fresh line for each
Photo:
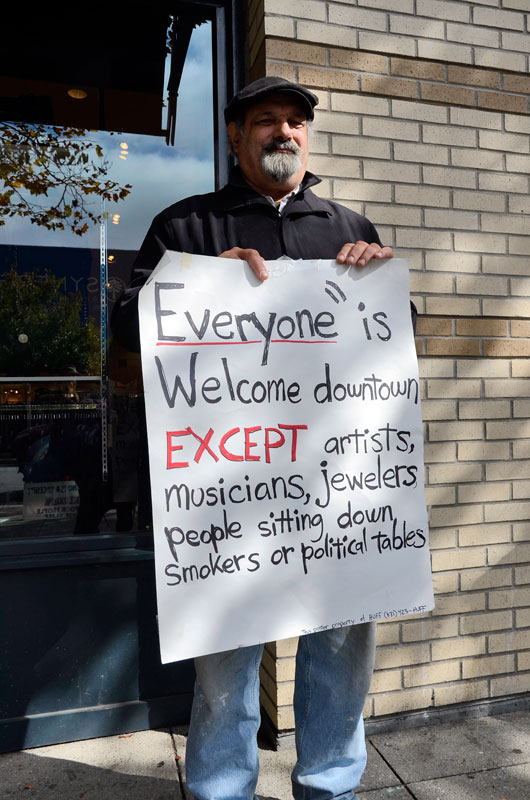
362,252
252,257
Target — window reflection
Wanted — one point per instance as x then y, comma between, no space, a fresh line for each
61,419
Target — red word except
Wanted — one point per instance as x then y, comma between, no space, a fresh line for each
236,444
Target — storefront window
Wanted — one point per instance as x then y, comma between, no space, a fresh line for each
92,166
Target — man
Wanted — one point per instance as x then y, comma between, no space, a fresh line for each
268,210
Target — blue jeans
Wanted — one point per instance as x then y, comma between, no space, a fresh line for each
333,673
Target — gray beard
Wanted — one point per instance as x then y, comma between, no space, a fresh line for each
280,166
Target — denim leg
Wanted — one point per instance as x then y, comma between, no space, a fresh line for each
222,752
333,674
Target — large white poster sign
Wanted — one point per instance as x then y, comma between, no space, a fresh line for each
285,450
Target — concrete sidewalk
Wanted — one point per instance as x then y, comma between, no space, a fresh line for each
477,759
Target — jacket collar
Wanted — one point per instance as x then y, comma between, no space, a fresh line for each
237,194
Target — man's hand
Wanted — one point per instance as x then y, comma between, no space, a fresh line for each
252,257
361,253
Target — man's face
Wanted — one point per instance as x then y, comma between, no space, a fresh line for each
272,148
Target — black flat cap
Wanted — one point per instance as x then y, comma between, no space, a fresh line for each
259,89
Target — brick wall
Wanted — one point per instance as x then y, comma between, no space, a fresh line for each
423,127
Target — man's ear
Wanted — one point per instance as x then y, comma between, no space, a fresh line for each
234,134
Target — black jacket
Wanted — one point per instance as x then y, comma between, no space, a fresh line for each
236,216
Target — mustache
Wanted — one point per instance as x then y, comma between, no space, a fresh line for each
278,144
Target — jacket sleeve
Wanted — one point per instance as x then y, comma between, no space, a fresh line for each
124,318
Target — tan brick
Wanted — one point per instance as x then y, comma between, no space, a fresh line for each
484,493
484,409
516,83
505,308
460,693
523,662
443,10
438,409
333,122
436,368
451,219
503,183
387,633
506,511
488,621
403,6
328,79
473,579
423,196
458,648
472,34
431,282
509,598
520,327
393,172
385,681
405,700
435,327
454,305
362,190
483,451
483,368
513,640
455,473
493,665
424,238
508,265
473,77
522,618
286,647
426,629
358,146
479,202
458,604
510,223
443,51
280,70
453,262
504,141
358,60
449,176
455,515
519,245
391,129
499,60
357,104
411,68
357,18
448,94
522,5
402,655
497,18
432,673
444,582
521,490
394,215
390,87
322,33
521,449
458,559
331,165
279,26
305,9
440,495
511,684
519,164
480,242
386,43
517,124
484,534
295,51
520,286
435,453
454,388
452,347
482,327
521,408
509,553
476,119
506,348
449,134
517,387
477,159
471,284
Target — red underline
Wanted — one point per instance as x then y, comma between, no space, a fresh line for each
256,341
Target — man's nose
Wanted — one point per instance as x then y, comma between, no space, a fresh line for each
283,130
